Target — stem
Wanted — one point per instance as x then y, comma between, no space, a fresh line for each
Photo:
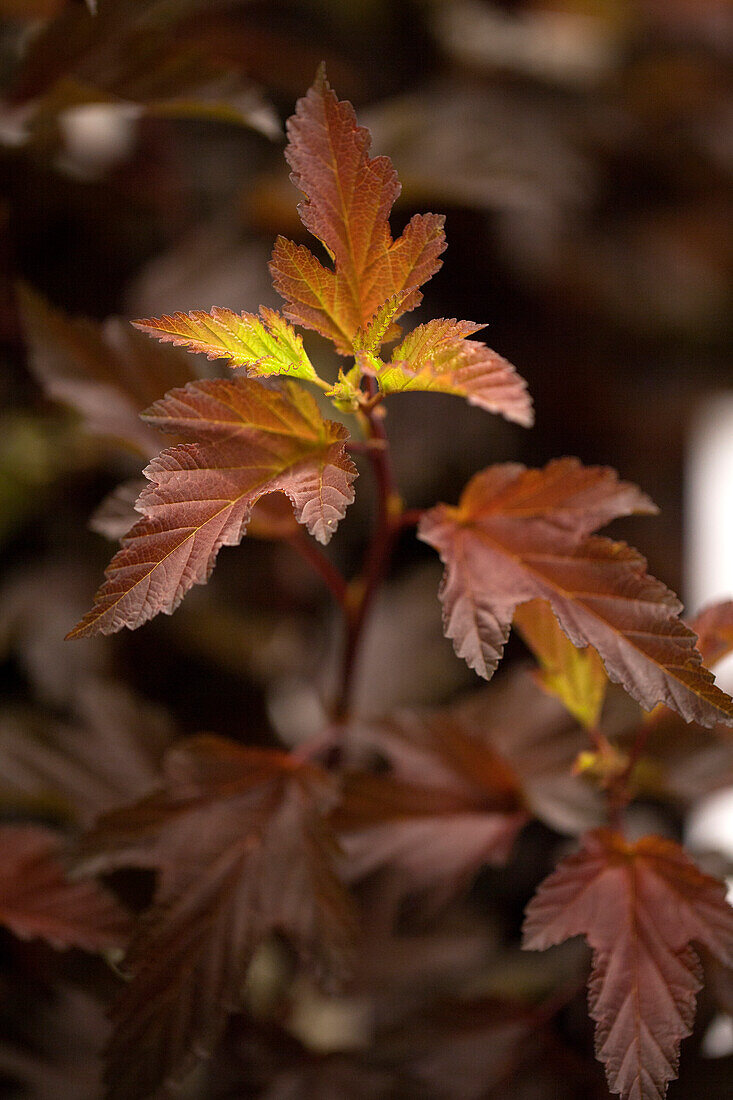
361,593
325,568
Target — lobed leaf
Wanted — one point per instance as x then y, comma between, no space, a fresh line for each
639,907
266,345
349,196
519,535
38,901
437,357
239,838
249,441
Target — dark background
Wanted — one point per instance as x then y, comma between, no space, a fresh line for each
582,152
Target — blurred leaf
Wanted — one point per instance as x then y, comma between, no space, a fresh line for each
239,837
575,676
108,373
37,900
107,753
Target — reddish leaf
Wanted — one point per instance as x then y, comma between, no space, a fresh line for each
249,441
243,852
451,805
437,357
428,839
639,906
38,901
109,753
107,373
714,629
348,199
265,345
520,534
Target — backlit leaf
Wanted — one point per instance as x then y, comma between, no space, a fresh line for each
243,852
639,906
107,373
437,357
249,441
38,901
519,535
575,676
265,345
349,196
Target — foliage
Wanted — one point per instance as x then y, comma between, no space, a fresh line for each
299,863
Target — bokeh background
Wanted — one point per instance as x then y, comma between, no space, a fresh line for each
582,151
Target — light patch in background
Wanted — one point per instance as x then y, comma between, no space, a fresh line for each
709,503
709,578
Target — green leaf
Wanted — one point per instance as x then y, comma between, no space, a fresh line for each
575,676
266,345
436,357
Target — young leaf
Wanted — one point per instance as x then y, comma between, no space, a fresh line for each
266,345
437,357
349,196
519,535
639,906
575,676
249,441
107,373
38,901
239,837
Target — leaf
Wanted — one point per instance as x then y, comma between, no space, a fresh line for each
519,535
37,901
108,753
437,357
349,196
639,907
450,804
116,514
714,628
54,1049
239,837
575,676
266,345
427,838
107,373
249,441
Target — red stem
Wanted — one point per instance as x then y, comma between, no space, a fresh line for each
362,592
325,568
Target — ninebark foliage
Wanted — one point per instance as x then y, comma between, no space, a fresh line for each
244,841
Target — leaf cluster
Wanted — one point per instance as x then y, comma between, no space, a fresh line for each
259,851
